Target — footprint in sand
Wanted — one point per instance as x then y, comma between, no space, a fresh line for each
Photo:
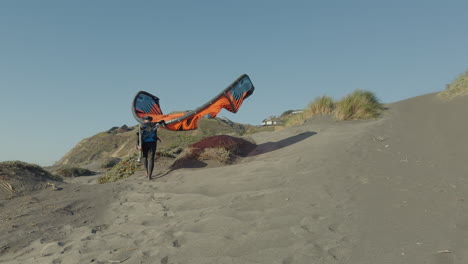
313,250
339,253
176,244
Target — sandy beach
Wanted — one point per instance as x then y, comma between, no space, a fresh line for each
390,190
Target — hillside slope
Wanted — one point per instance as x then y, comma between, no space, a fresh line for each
119,143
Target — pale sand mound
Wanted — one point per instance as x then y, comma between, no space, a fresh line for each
391,190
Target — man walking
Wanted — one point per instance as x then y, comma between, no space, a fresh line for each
147,137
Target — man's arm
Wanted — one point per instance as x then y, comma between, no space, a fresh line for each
154,126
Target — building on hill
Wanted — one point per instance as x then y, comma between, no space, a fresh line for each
291,112
270,121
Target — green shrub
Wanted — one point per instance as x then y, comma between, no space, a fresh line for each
73,172
121,170
458,87
358,105
110,162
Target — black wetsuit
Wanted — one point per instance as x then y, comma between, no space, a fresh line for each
149,144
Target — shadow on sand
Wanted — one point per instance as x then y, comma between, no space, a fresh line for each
272,146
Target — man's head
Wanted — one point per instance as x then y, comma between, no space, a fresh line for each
147,119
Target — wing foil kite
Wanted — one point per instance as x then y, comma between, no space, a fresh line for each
231,98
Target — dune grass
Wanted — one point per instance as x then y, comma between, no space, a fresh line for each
458,87
320,106
294,119
360,104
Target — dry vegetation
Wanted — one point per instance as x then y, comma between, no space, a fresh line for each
220,155
223,149
458,87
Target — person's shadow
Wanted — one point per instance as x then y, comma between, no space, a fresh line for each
272,146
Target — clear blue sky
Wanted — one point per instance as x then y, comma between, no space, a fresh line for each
69,69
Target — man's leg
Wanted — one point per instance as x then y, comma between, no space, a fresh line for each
144,159
151,154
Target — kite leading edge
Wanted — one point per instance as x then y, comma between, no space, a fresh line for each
231,98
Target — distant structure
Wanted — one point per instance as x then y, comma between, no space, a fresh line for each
276,121
270,121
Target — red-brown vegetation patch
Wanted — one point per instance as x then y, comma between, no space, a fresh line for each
236,145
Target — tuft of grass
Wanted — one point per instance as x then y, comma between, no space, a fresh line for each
360,104
458,87
121,170
320,106
73,172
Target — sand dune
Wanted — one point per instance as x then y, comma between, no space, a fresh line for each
390,190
